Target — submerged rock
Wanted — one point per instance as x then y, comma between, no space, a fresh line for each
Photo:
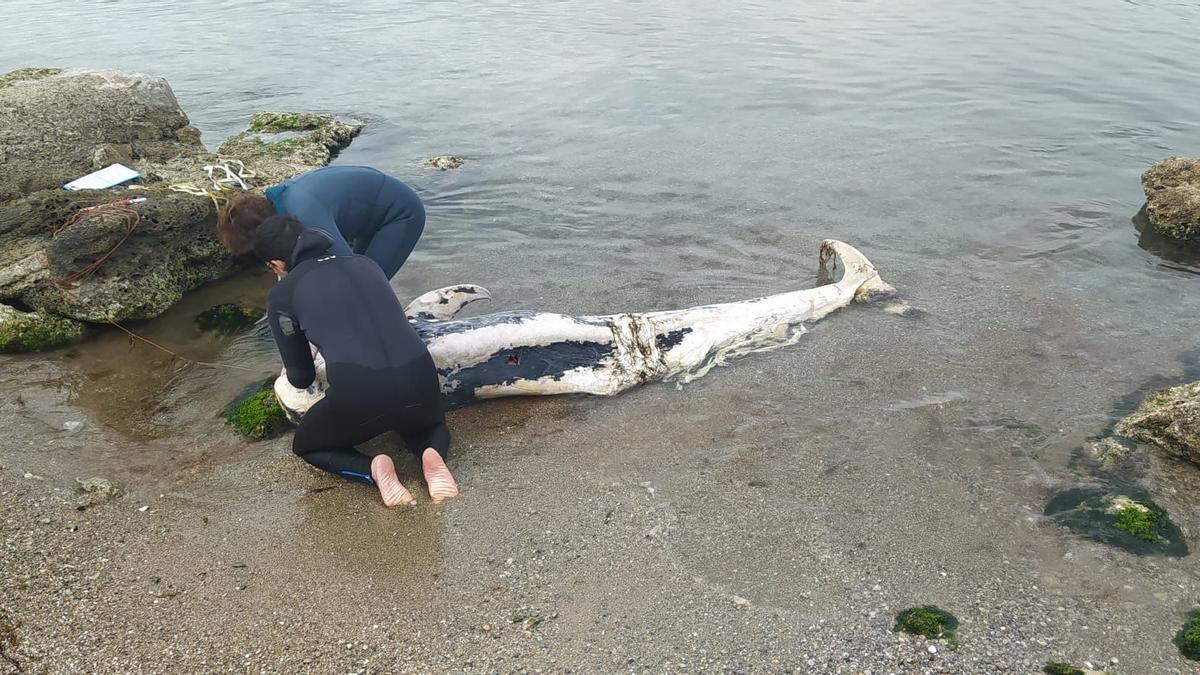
1108,459
1125,518
56,126
35,332
1170,419
1172,189
255,414
101,487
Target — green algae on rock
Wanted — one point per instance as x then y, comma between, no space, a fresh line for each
256,414
227,319
27,75
1135,519
1169,419
1060,668
270,122
23,332
278,142
1188,637
1123,517
928,621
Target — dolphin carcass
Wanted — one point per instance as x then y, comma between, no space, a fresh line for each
531,353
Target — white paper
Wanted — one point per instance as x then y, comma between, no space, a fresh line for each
113,174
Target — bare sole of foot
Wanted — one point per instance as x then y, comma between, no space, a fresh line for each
437,476
393,493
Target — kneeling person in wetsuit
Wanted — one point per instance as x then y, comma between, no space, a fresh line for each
381,377
363,210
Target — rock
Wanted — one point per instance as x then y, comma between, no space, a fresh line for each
1107,452
58,125
35,331
172,250
445,162
1170,419
101,487
1172,189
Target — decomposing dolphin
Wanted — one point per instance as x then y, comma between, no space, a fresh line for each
529,353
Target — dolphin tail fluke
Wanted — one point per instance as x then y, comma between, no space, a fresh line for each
857,271
860,274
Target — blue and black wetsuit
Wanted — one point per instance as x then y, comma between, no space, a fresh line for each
381,377
363,210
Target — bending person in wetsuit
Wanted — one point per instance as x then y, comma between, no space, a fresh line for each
381,377
362,210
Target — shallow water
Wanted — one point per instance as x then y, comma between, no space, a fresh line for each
644,156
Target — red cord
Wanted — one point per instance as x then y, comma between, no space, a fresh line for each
119,208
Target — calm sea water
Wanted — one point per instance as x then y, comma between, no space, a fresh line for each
647,155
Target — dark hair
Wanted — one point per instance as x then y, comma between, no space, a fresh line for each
237,220
275,238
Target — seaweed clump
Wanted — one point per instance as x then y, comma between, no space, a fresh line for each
1138,520
1188,637
1060,668
256,414
227,319
928,621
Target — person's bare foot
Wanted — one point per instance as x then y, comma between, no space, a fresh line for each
383,472
437,476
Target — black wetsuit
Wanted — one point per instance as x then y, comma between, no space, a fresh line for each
381,377
363,210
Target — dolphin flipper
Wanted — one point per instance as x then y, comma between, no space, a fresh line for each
443,303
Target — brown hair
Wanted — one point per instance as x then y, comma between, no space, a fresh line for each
237,220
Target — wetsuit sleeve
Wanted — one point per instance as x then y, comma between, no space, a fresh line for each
292,343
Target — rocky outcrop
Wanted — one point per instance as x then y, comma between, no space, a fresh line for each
1170,419
67,262
279,145
1172,190
56,126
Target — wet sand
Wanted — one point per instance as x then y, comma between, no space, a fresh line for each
771,517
